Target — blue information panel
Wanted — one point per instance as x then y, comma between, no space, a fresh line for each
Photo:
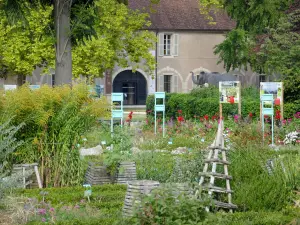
34,87
116,113
159,108
267,102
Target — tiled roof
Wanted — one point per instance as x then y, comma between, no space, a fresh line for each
181,15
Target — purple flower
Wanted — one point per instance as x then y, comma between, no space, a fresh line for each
44,220
51,209
76,206
42,211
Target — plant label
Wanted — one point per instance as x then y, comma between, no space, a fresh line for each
87,193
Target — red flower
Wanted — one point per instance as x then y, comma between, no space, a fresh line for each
130,115
179,111
206,117
214,118
180,119
277,116
250,114
231,99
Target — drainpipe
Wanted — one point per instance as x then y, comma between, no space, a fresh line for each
156,53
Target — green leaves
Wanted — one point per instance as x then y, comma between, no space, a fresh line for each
235,49
23,48
8,144
119,40
103,33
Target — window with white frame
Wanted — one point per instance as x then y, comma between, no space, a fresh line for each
167,83
168,44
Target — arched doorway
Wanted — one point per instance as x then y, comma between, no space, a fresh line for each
133,85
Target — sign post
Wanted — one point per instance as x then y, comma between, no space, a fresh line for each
276,90
230,92
266,101
34,87
10,87
159,108
116,113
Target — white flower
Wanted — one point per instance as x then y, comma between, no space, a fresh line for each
291,138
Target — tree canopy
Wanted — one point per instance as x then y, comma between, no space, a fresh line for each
103,33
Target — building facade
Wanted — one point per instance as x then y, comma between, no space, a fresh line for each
185,44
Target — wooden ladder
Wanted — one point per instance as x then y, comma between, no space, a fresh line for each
212,161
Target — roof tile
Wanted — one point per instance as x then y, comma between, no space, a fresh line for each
181,15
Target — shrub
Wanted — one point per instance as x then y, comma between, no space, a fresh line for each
55,119
254,218
67,206
255,188
8,145
205,101
165,207
72,195
154,166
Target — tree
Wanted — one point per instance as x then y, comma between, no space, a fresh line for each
119,40
68,27
266,38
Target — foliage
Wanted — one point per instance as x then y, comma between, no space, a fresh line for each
55,119
109,193
187,167
154,166
103,34
67,206
253,15
164,206
255,188
119,40
254,218
23,49
204,101
266,39
121,151
235,49
8,144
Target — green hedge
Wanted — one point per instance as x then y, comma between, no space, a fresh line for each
205,101
112,196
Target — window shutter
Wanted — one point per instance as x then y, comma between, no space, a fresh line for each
175,83
161,83
175,44
161,45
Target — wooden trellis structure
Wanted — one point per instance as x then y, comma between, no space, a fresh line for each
23,168
216,167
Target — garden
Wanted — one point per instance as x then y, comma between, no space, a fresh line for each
66,131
